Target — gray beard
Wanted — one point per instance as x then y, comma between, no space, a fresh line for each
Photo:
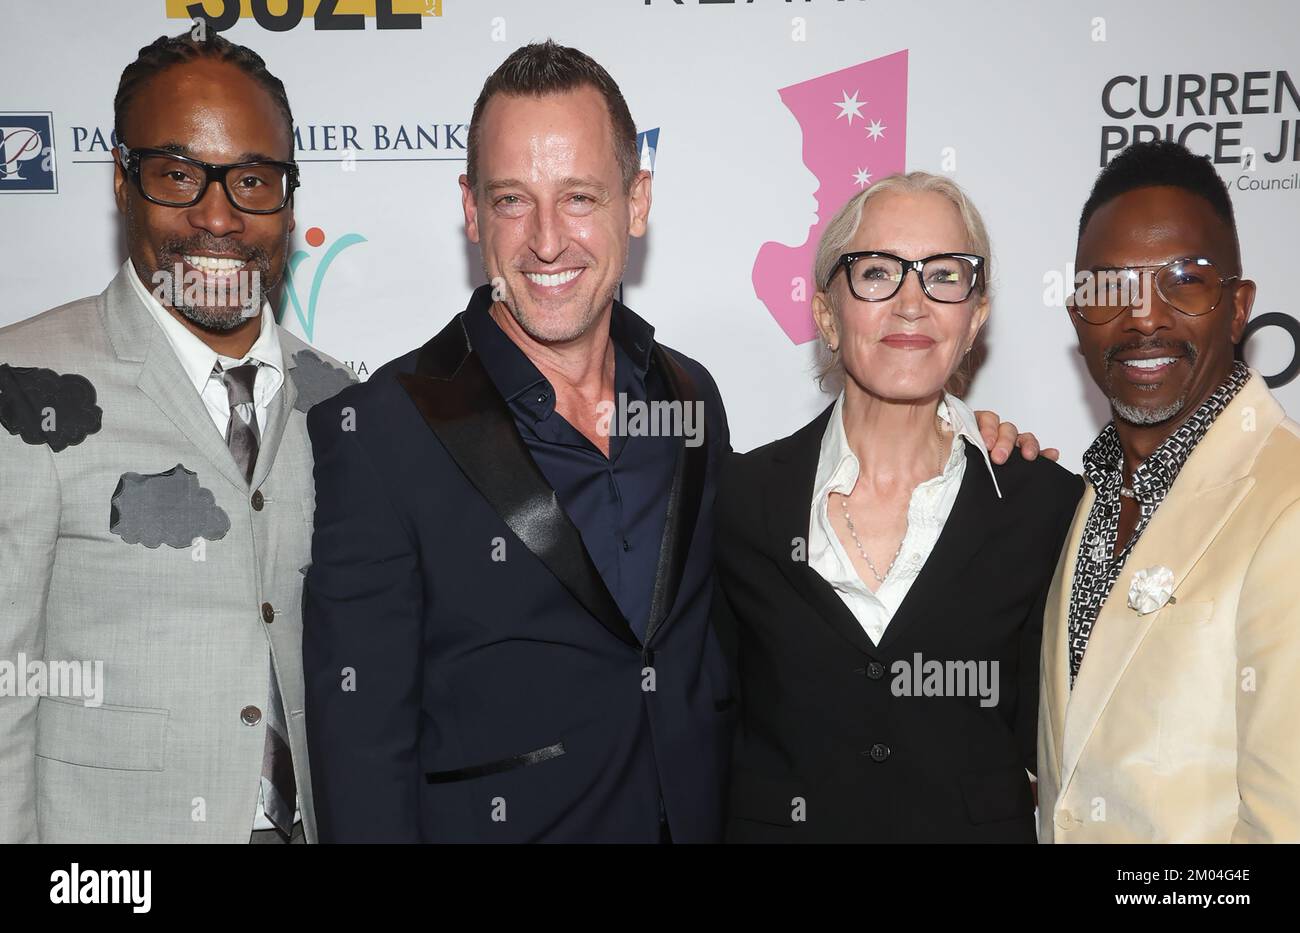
581,327
218,320
1146,416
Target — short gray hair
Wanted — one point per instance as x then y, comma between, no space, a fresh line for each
844,225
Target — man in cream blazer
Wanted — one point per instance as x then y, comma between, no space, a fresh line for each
1170,703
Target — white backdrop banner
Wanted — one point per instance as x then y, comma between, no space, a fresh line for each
758,119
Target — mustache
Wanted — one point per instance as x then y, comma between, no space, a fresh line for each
557,264
202,244
1184,347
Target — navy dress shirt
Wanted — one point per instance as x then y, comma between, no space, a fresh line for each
618,503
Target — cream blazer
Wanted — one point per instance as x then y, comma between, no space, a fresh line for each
1184,723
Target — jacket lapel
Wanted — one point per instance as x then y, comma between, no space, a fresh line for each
277,418
457,399
1210,486
1056,627
789,506
683,499
974,514
137,338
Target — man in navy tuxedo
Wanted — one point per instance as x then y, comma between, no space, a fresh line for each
506,630
507,612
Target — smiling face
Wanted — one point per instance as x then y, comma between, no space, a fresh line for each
551,215
904,348
211,111
1155,364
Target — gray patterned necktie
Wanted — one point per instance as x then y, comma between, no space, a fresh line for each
242,435
279,788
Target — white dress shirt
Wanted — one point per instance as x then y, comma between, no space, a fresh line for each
927,511
198,361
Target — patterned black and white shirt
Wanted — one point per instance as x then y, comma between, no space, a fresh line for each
1097,566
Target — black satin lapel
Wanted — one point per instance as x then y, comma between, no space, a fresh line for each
788,501
457,399
968,526
683,500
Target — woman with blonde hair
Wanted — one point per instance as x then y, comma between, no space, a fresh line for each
881,579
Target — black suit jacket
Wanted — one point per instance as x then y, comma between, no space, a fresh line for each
499,699
825,749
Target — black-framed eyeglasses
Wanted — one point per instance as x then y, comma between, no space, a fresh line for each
875,276
258,187
1191,285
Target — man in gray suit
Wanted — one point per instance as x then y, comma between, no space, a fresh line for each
156,498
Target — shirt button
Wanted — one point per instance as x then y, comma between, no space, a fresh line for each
879,752
258,501
250,715
268,613
626,545
875,670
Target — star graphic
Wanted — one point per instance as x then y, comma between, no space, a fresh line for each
850,106
862,178
875,130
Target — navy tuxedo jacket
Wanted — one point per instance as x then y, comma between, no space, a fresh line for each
469,677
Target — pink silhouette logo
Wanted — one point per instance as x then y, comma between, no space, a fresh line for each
854,124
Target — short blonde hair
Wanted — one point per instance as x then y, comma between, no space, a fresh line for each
844,225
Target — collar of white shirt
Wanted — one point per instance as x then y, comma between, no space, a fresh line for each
838,467
198,359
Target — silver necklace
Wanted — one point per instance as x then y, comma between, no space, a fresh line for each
848,520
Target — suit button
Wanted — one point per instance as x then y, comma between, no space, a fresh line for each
268,613
1065,819
875,670
250,715
879,752
258,501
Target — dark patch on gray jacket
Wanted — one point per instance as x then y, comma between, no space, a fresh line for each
317,380
169,508
29,394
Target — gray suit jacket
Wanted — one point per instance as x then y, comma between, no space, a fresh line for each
129,538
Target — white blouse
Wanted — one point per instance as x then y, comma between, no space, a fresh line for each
927,511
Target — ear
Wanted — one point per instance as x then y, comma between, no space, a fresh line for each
469,205
977,321
824,317
1243,299
639,203
119,187
1077,323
